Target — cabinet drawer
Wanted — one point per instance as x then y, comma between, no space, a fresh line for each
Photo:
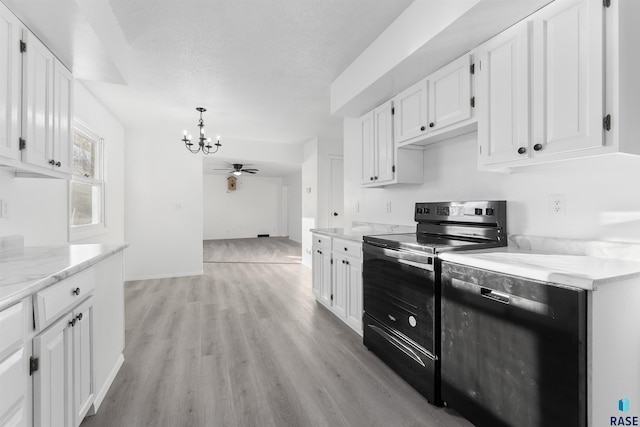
12,327
57,299
348,248
321,242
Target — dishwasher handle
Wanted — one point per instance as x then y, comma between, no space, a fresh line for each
495,295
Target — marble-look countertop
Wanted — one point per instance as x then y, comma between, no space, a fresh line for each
575,270
24,271
360,229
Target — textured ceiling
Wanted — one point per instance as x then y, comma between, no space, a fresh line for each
262,68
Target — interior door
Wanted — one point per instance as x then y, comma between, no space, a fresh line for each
336,193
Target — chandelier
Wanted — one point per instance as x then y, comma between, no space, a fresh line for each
204,143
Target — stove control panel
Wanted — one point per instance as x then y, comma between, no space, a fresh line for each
473,211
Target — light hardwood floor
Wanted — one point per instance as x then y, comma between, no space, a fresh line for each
246,344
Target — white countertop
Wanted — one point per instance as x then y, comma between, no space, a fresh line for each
580,271
356,233
25,271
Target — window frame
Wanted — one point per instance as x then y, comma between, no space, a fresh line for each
78,232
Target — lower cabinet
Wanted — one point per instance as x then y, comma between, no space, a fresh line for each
337,277
15,401
63,384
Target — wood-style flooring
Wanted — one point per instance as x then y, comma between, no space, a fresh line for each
246,344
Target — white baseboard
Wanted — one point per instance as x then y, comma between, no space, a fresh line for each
164,276
101,394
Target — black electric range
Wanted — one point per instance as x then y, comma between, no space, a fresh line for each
401,284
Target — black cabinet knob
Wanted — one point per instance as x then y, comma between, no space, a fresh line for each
76,291
346,262
72,322
537,147
371,178
79,317
522,150
422,128
375,178
58,164
335,214
52,162
431,124
343,261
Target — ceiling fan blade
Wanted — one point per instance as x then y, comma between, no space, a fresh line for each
251,169
248,171
225,169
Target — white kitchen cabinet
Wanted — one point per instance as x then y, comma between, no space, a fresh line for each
321,265
410,112
337,278
550,108
450,94
503,96
64,387
383,162
46,109
15,352
10,82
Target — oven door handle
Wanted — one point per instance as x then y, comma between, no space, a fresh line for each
419,260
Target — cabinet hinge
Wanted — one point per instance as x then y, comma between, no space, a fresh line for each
393,110
473,102
473,68
331,297
34,365
393,168
23,46
23,143
606,122
606,3
331,260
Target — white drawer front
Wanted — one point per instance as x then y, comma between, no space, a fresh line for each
12,328
320,241
348,248
58,299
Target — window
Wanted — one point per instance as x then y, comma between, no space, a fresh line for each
86,187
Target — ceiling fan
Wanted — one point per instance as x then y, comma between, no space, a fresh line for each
237,169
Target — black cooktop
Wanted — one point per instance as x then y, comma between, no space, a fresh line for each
423,242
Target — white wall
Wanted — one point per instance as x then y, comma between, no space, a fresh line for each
163,197
602,202
38,206
294,216
253,208
309,196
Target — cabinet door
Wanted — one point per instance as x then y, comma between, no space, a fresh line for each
410,112
322,275
384,148
316,271
37,69
450,94
83,382
10,69
567,77
353,311
62,116
14,372
52,381
503,96
340,283
367,143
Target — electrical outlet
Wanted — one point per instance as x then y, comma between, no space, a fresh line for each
388,207
4,208
557,204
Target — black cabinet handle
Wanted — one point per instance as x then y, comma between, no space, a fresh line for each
58,164
343,261
320,252
76,291
375,178
335,214
522,150
346,249
422,128
371,178
72,322
431,124
79,317
52,162
537,147
346,262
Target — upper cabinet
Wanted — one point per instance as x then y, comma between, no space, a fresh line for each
47,108
10,78
383,163
36,97
540,87
438,107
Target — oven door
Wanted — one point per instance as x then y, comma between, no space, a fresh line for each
399,292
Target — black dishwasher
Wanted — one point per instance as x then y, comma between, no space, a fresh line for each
514,351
